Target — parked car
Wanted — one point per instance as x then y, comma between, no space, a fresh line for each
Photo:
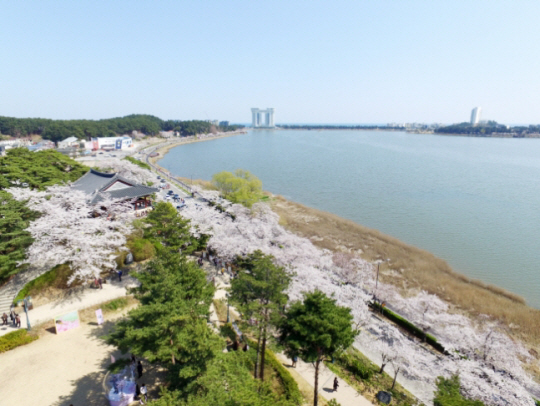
159,177
163,181
170,193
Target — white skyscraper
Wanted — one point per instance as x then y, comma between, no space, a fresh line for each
262,118
475,115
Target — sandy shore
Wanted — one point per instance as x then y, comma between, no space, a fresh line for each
162,151
409,268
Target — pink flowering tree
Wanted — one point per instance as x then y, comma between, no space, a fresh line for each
483,355
71,231
127,170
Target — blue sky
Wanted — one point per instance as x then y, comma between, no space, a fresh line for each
313,61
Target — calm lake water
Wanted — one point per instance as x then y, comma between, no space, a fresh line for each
474,202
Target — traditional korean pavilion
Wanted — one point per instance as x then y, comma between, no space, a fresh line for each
95,184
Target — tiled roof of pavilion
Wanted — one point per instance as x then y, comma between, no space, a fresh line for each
95,184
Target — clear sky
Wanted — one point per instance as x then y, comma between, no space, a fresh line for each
356,61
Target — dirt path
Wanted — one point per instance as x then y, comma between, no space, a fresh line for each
68,368
74,301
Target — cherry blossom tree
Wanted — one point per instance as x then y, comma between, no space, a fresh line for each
127,170
71,231
483,355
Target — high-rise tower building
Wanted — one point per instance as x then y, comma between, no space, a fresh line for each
475,115
262,118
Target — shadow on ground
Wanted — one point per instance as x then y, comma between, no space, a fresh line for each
90,390
329,390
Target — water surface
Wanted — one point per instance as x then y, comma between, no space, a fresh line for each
474,202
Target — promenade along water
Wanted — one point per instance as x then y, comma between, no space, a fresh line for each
474,202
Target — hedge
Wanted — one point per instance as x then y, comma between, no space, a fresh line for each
141,249
115,304
16,339
56,277
138,163
290,387
355,366
410,327
292,392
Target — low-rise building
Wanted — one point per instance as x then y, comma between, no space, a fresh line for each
68,142
71,152
42,145
109,143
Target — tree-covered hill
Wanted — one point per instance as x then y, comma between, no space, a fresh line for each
57,130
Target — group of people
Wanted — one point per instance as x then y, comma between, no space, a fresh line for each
141,213
140,392
15,319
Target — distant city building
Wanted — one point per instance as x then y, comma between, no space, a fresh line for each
475,115
14,143
42,145
223,123
68,142
71,152
109,143
257,118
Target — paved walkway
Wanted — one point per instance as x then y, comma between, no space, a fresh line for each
75,301
345,395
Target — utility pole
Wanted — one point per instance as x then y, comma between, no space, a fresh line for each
26,300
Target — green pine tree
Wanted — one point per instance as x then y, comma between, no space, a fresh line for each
169,231
315,329
170,325
259,292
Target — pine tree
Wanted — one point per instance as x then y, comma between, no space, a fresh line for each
170,325
315,329
169,231
259,291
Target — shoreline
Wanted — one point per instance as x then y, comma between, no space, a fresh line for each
162,151
409,268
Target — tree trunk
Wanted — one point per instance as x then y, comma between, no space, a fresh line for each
256,373
172,355
395,377
263,351
382,368
316,386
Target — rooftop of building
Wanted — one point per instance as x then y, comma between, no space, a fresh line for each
96,184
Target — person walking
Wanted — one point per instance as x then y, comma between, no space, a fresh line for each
12,315
140,369
4,319
18,320
336,384
294,361
100,283
120,275
144,393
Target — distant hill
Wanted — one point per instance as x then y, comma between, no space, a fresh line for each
57,130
